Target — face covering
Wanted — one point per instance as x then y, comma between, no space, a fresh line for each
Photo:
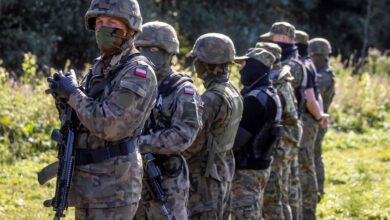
287,50
159,57
320,61
253,71
302,50
110,40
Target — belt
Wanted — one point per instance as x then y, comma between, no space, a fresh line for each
88,156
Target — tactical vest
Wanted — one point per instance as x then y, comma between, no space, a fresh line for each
95,91
281,79
168,84
299,83
221,140
273,127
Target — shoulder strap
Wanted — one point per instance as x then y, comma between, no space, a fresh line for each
171,82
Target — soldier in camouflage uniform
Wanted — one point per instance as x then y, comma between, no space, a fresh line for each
210,158
112,104
276,202
285,156
254,142
174,123
312,118
319,50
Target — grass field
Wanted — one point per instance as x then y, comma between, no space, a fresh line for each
357,184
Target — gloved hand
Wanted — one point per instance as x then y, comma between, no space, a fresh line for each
62,86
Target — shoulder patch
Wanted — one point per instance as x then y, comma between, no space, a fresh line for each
141,72
189,91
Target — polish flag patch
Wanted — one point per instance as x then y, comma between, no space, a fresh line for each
141,72
189,90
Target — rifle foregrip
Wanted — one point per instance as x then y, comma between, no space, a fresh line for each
48,173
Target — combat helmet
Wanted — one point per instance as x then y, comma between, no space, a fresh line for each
126,10
214,48
319,46
158,34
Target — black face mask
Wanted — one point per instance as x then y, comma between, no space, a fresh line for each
287,50
320,61
253,71
160,59
302,50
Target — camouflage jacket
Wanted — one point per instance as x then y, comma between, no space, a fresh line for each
118,113
326,84
177,120
281,80
217,114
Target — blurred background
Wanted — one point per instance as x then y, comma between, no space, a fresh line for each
39,36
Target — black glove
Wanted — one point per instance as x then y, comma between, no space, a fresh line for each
62,86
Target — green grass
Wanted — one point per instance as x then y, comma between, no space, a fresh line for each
20,194
357,176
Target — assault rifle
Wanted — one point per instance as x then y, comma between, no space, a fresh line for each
66,162
153,182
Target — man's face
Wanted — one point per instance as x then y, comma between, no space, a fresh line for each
108,21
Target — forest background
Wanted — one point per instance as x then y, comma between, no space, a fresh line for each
39,36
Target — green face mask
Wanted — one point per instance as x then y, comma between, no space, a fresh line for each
110,40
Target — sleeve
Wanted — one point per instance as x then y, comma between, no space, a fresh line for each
310,79
123,110
185,124
215,114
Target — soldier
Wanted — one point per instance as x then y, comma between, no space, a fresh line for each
112,104
174,123
254,141
319,50
276,205
210,158
285,156
313,117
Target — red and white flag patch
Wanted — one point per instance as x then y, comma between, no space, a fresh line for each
189,90
141,72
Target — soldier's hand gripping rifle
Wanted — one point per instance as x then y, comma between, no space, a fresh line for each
153,182
66,161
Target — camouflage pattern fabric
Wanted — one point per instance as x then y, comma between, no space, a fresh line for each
276,202
281,28
307,171
247,193
118,113
158,34
319,46
295,190
326,82
176,185
214,48
271,47
209,194
301,37
117,213
263,56
126,10
177,121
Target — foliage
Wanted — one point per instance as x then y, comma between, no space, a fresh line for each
54,30
27,115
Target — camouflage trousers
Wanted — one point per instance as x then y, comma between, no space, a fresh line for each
116,213
295,191
247,193
276,195
208,197
320,170
307,171
176,185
